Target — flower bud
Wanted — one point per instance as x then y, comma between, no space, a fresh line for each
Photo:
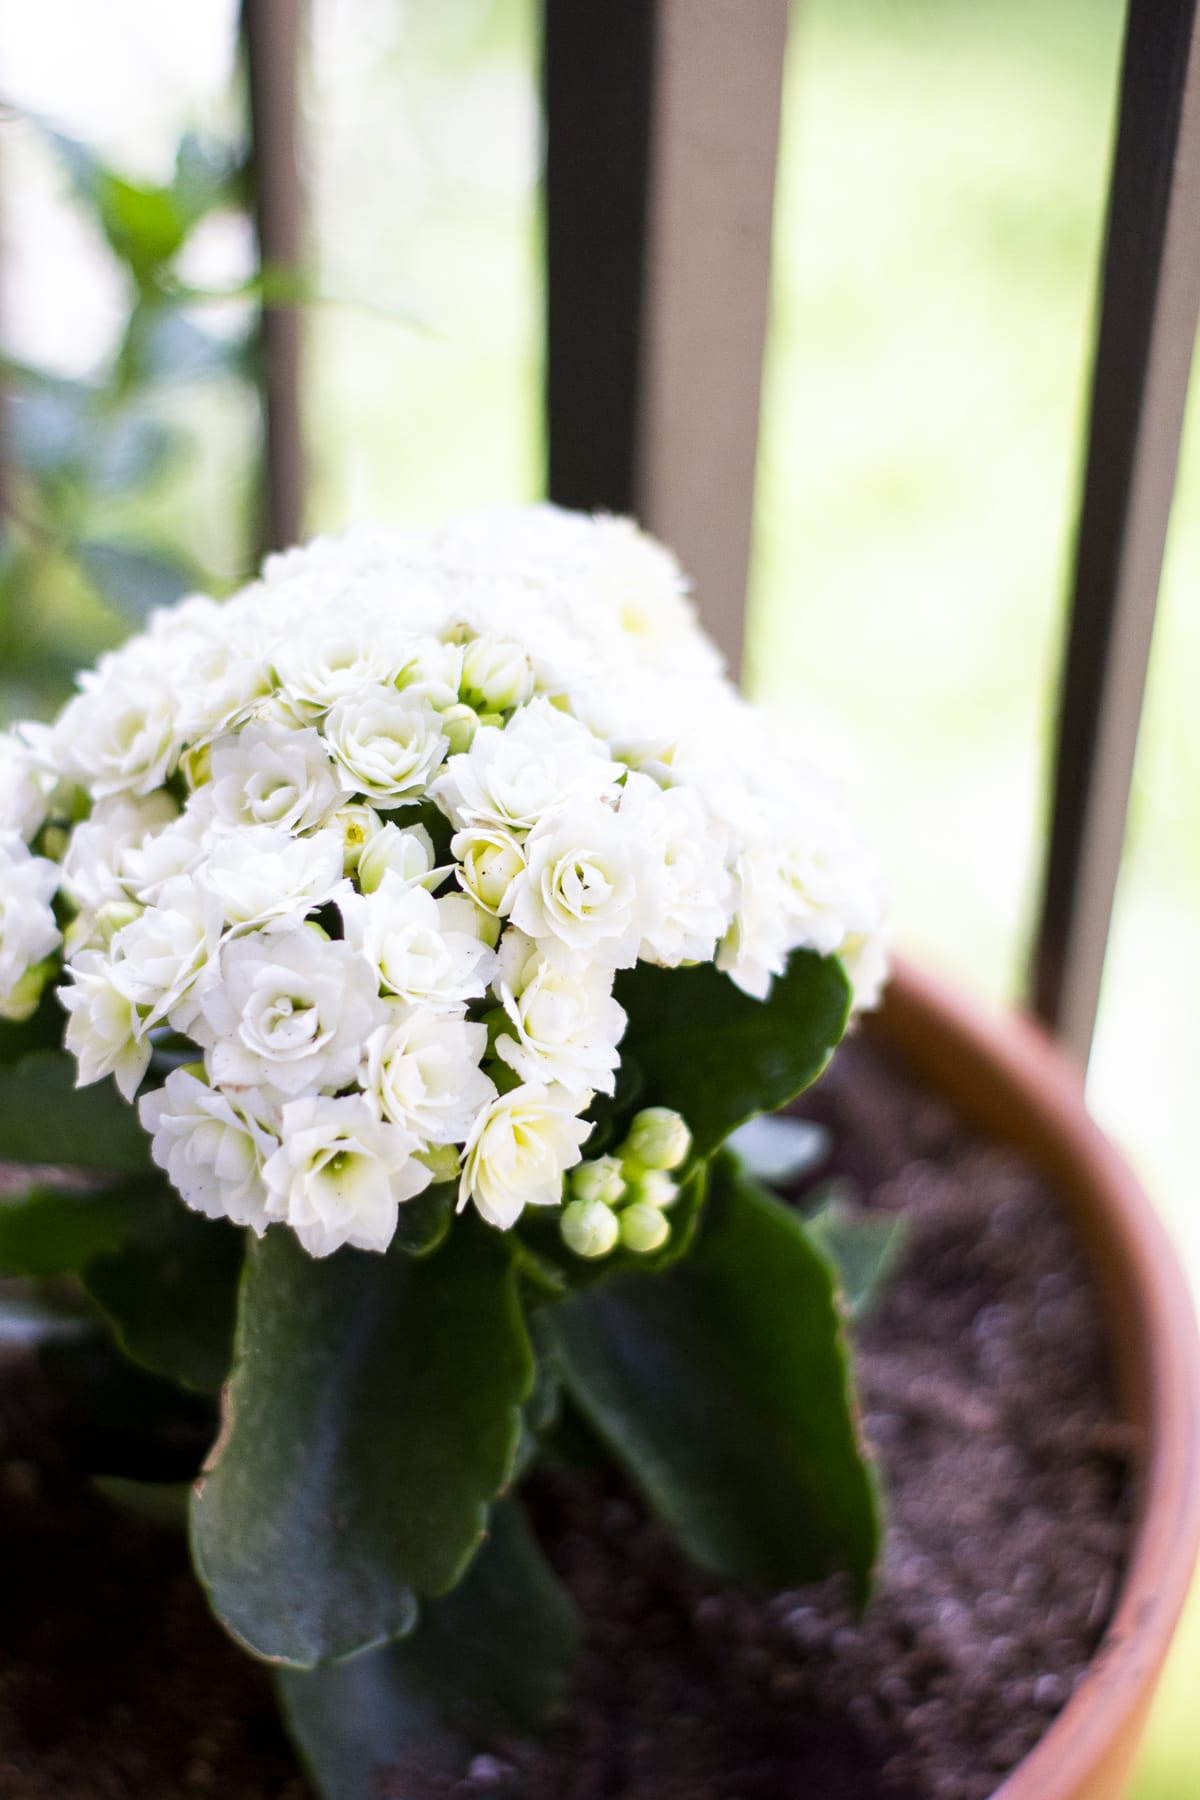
112,917
496,675
459,724
196,765
589,1228
643,1228
22,1000
490,864
442,1160
654,1188
358,825
601,1179
409,853
658,1139
54,841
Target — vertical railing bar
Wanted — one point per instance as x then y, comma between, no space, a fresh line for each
1148,314
271,34
597,88
662,133
714,150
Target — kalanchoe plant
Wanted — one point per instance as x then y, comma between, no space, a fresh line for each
441,909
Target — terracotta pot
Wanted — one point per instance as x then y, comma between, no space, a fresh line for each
1007,1078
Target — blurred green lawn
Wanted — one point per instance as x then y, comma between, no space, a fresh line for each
938,224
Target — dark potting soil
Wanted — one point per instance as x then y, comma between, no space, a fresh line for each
982,1375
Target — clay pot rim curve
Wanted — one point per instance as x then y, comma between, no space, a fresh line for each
1008,1077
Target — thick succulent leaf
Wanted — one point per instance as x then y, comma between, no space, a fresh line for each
723,1384
862,1246
170,1291
56,1231
423,1221
719,1057
493,1657
373,1414
45,1118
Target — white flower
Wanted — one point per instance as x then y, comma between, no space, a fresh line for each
519,1149
341,1174
162,961
490,864
211,1148
329,659
145,868
388,746
404,850
496,674
120,736
515,776
290,1012
264,876
104,1030
22,794
416,945
95,858
270,776
567,1024
28,931
693,884
586,884
422,1069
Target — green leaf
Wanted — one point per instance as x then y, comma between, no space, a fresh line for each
45,1118
723,1384
132,579
373,1415
862,1246
52,1231
719,1057
422,1223
170,1292
494,1657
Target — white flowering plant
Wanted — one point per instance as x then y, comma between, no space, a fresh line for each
386,953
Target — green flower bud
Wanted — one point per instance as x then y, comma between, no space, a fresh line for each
112,917
654,1188
496,675
196,766
643,1228
460,723
658,1139
442,1161
601,1179
589,1228
23,997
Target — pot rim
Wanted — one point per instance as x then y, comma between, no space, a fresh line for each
1007,1075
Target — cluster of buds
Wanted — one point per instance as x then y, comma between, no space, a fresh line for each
624,1198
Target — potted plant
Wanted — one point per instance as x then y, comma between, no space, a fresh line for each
441,910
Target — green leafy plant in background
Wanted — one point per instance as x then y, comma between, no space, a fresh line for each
81,558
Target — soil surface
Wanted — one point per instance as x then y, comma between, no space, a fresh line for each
982,1374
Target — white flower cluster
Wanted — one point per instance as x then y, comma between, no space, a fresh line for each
355,857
